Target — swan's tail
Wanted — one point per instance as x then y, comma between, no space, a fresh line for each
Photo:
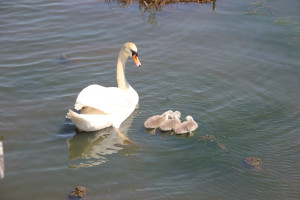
79,122
86,122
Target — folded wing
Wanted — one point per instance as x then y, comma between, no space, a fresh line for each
105,99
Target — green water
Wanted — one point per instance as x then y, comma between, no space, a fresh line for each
235,70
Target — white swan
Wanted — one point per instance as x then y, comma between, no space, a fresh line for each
171,124
103,107
187,126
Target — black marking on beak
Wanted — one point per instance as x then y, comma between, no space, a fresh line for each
134,53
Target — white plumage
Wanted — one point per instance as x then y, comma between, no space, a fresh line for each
101,107
105,99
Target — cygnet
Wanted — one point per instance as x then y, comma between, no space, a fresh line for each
171,124
187,126
156,120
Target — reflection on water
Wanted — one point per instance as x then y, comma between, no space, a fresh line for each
87,149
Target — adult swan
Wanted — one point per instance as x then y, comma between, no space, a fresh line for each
102,107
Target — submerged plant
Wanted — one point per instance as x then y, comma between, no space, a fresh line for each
285,21
211,138
158,4
260,8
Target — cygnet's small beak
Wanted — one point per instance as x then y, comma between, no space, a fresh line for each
136,60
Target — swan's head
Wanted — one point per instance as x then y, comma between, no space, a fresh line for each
189,118
130,49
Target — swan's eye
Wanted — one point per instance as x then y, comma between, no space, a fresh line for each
134,53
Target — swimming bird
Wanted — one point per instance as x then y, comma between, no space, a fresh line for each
171,124
102,107
187,126
156,120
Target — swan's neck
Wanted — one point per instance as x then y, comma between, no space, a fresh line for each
121,79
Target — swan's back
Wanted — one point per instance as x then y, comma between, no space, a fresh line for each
105,99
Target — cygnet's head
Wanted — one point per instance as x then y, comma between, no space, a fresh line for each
130,49
189,118
177,114
170,113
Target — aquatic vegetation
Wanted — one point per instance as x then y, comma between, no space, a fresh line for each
149,8
252,163
211,138
78,193
223,147
158,4
260,8
291,23
282,21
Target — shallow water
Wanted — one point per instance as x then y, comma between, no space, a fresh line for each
235,70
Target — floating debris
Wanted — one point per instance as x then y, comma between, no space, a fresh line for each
77,193
252,163
65,59
211,138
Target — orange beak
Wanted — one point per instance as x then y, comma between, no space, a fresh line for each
136,60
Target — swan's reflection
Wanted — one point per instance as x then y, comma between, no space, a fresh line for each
87,149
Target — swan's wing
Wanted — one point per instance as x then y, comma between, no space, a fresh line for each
105,99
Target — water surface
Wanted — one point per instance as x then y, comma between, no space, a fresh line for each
235,70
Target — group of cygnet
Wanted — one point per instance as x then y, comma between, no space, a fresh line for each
170,121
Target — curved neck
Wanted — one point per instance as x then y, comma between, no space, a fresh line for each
121,79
